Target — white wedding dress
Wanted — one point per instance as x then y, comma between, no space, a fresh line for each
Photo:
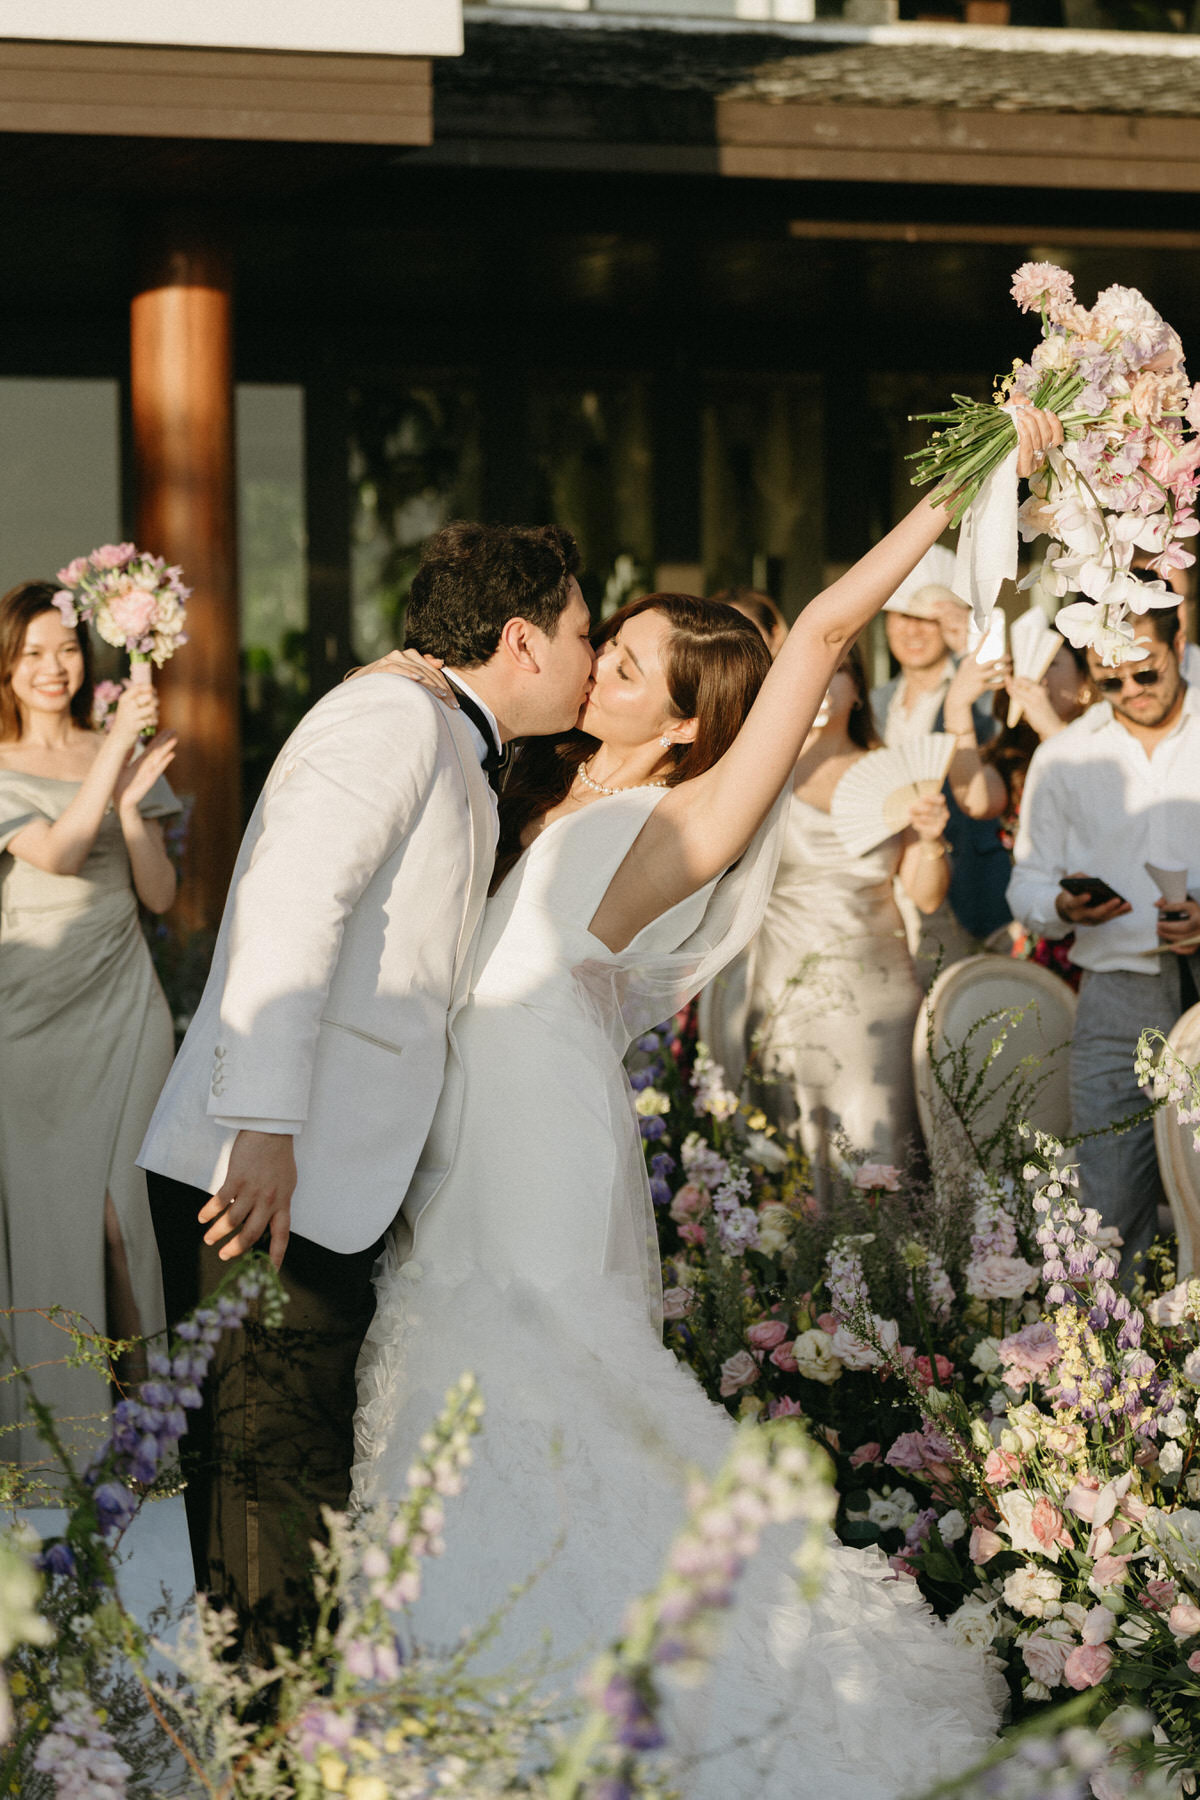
533,1265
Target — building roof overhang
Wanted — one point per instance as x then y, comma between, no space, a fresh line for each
974,106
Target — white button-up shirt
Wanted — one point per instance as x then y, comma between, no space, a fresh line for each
1096,803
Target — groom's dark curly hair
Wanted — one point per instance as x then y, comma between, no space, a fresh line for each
474,578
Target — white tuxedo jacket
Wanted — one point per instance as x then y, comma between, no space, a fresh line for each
344,951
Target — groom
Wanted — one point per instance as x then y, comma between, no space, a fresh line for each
303,1092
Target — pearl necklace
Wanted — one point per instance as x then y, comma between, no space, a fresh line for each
598,787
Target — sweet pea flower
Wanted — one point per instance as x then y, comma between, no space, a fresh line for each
1082,1498
1098,1625
1108,1571
786,1408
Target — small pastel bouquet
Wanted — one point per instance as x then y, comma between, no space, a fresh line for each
134,601
1124,480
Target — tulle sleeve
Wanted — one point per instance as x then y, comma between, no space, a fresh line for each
680,952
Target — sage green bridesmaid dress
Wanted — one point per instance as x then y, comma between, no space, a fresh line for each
85,1044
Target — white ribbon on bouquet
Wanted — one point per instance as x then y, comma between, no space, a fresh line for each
987,542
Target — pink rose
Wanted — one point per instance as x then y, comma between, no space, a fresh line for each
766,1334
1184,1620
941,1373
785,1409
877,1175
984,1545
784,1357
687,1203
998,1277
676,1302
737,1371
1046,1523
1001,1467
73,573
866,1453
133,612
1045,1658
1193,1662
691,1233
827,1323
1087,1665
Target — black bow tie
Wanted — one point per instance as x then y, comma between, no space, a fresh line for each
497,756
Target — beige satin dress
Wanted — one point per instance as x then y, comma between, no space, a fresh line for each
823,1003
85,1045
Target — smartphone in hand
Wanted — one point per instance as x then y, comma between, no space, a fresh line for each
1090,887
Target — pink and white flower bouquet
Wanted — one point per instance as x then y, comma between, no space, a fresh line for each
133,600
1124,480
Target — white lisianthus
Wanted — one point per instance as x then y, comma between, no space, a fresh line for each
815,1357
1176,1422
1170,1459
651,1104
952,1525
775,1228
1031,1591
986,1355
765,1152
894,1509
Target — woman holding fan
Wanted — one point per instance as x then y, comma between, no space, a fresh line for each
85,1034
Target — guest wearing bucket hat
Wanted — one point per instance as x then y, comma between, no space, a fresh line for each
914,703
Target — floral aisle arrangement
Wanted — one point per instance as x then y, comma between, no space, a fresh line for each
362,1711
1125,478
1017,1434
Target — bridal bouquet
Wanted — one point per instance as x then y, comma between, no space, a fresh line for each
1125,478
135,602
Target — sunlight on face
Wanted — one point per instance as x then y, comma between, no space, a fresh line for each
629,704
48,673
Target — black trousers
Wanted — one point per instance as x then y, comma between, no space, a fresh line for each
274,1441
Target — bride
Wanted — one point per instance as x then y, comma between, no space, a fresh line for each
645,855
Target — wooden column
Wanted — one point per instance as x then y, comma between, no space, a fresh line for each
181,384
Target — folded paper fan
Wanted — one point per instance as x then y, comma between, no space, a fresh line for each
871,802
1034,647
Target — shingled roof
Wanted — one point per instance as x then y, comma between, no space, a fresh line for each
824,102
973,71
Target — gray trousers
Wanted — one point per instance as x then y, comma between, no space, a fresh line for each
1118,1174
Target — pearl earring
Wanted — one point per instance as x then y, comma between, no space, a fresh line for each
667,743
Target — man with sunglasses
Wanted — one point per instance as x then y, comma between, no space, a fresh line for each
1116,790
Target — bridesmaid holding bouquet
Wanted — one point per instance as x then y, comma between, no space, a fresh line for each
85,1032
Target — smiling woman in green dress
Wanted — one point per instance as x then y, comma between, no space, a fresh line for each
85,1033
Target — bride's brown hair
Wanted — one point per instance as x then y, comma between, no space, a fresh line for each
715,664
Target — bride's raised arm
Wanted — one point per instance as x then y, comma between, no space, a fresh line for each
702,826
